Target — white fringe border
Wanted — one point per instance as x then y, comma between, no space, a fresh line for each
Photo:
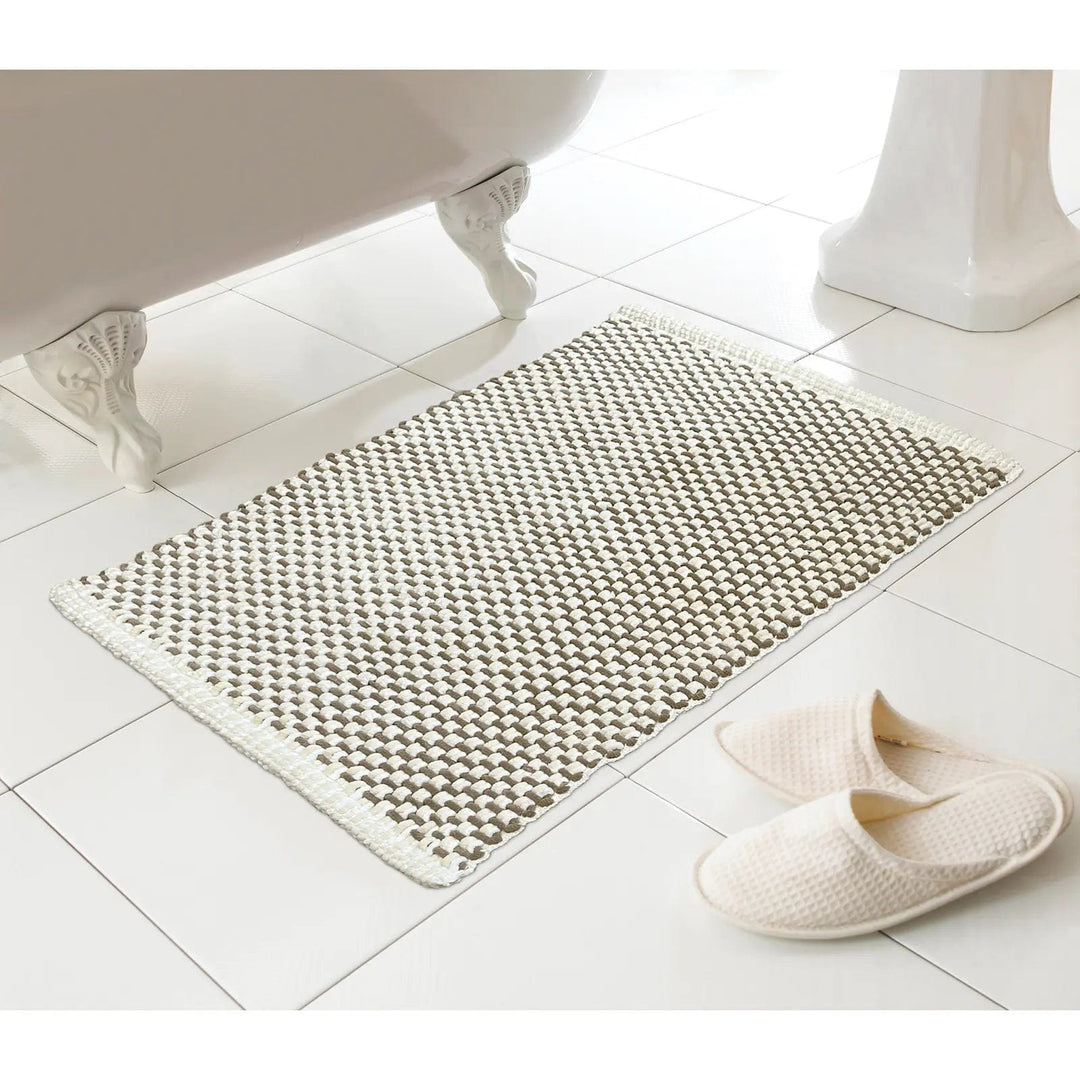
298,767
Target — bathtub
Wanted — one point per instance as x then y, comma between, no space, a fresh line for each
120,189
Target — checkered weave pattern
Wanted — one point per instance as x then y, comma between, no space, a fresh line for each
438,634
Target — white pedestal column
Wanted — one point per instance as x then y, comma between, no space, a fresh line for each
962,224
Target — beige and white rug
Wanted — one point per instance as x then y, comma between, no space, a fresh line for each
435,636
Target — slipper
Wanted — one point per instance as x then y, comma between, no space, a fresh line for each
858,742
858,861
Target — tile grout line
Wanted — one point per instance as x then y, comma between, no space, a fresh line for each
307,258
194,506
809,217
4,388
774,202
675,243
759,204
985,517
934,397
260,427
97,870
189,304
345,341
944,970
56,517
822,178
652,131
607,155
93,742
406,365
408,360
706,315
478,881
805,352
848,333
675,806
983,633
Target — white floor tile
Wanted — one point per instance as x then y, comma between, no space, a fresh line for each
758,271
604,914
69,940
633,103
767,144
61,689
578,214
1016,575
505,345
45,469
834,198
267,894
237,471
396,294
309,251
223,367
1028,378
1034,454
1014,941
185,299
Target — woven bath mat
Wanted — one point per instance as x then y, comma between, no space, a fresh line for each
436,635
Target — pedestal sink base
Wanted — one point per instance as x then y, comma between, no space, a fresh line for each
962,224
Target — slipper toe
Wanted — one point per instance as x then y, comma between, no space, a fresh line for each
863,860
804,753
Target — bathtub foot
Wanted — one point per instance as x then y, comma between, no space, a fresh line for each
476,221
90,372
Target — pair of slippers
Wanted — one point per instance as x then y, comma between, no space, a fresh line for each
896,821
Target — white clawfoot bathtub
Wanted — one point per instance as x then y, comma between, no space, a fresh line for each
121,189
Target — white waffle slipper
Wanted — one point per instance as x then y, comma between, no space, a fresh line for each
857,742
858,861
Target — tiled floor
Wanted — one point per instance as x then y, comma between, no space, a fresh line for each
144,863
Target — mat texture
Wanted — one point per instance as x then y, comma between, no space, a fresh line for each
436,635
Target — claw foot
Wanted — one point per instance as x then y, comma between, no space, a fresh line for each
475,220
91,373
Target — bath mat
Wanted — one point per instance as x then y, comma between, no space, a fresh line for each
437,635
